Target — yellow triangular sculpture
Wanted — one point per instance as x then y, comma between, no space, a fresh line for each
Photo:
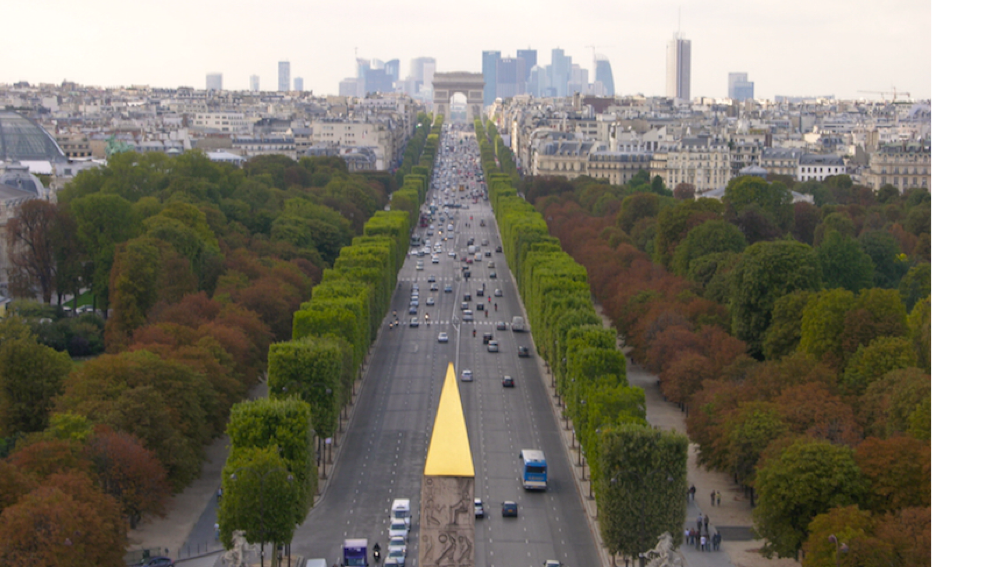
449,453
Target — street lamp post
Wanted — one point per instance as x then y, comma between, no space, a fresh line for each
838,548
261,477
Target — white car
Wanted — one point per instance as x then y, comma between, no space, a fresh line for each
466,375
399,554
442,337
398,527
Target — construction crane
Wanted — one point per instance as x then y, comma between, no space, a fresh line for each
895,93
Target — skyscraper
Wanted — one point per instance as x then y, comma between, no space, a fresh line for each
254,83
213,82
510,77
283,76
603,74
490,63
560,71
299,84
529,57
392,68
739,87
678,67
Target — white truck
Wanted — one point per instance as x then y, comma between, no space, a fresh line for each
518,325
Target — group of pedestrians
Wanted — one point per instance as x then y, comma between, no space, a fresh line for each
701,537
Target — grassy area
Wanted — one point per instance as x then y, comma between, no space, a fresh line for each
84,299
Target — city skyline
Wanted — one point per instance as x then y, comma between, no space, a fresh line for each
777,43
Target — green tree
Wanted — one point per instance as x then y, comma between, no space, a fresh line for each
31,376
766,272
844,263
785,330
750,430
256,487
847,524
823,325
878,358
916,284
708,238
641,484
807,479
774,199
104,220
884,251
920,330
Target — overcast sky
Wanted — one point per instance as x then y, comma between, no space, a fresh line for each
789,48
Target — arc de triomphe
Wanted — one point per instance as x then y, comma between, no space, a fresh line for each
472,85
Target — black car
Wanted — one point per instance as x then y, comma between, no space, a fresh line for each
507,382
510,509
524,352
498,248
486,337
158,562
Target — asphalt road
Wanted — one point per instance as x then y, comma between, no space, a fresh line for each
384,455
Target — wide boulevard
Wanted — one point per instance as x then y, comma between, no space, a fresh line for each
384,452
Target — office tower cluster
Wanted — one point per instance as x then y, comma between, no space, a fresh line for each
506,77
371,76
739,87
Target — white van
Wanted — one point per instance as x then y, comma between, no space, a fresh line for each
401,511
317,563
518,325
467,315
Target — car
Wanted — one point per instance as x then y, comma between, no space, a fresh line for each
498,293
466,375
414,301
524,352
434,260
467,315
493,346
159,561
430,301
464,305
552,563
397,542
498,249
442,337
510,509
486,337
466,297
480,306
415,287
480,292
479,508
414,322
491,264
468,260
500,326
412,310
433,287
448,288
492,275
399,554
432,278
488,253
420,265
507,382
452,254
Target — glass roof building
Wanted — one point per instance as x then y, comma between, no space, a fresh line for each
22,139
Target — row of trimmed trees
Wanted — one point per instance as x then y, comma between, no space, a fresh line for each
639,472
270,478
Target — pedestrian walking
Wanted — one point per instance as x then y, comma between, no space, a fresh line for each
216,530
686,535
712,497
707,520
693,492
717,541
703,543
719,497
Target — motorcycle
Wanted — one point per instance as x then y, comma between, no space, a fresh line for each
376,553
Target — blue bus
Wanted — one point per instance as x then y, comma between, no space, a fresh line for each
534,469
